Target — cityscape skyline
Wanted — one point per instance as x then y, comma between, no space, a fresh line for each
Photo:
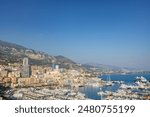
107,32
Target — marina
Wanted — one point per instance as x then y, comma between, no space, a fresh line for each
137,88
129,87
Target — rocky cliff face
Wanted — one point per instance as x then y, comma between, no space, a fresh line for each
10,53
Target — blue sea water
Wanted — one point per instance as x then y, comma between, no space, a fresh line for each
91,92
128,78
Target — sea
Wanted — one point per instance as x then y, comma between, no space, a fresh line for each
91,91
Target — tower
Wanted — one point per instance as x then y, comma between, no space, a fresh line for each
53,65
25,68
25,61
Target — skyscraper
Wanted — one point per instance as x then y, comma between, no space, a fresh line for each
25,61
53,65
25,68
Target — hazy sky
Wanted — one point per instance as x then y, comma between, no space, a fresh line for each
114,32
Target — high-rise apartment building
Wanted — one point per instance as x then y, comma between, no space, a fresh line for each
25,68
25,61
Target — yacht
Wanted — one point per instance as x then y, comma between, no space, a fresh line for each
141,79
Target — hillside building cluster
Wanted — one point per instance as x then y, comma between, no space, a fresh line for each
24,75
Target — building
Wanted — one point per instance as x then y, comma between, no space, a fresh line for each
57,67
4,73
53,66
26,71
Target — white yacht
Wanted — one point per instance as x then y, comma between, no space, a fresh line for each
141,79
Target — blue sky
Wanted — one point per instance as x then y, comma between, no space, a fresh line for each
114,32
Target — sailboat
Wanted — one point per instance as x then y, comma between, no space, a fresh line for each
109,83
100,93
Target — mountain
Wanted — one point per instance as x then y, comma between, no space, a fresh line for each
11,53
108,68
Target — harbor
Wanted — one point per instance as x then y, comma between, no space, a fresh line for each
135,88
93,89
